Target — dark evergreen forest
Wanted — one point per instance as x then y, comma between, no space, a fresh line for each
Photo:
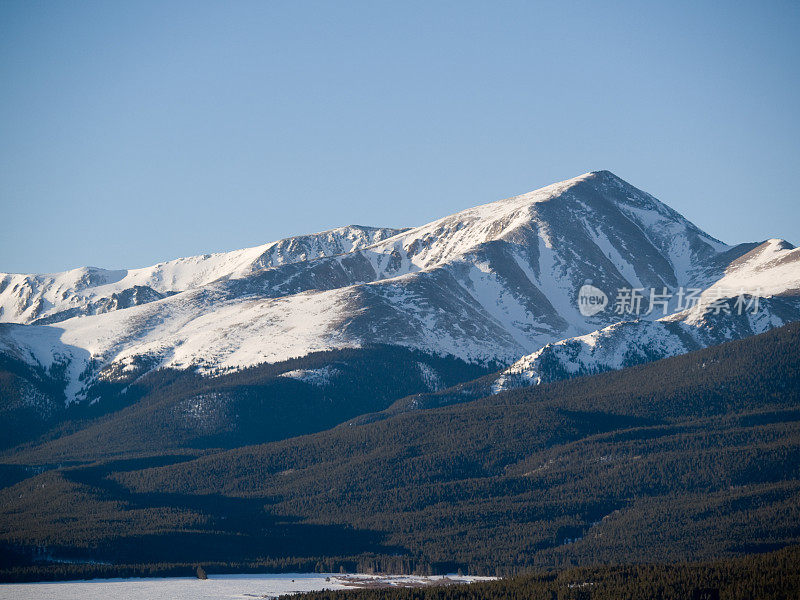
693,458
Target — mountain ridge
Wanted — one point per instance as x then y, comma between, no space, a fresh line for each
23,297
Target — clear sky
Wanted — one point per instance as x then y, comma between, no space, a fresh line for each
135,132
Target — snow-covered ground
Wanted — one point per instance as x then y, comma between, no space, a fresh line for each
216,587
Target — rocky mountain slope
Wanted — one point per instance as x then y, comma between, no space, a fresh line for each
759,291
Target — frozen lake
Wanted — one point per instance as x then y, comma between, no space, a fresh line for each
216,587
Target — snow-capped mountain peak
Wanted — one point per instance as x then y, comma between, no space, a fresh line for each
489,283
772,267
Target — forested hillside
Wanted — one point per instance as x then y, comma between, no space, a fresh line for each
170,409
690,458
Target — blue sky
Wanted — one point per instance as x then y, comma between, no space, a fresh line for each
135,132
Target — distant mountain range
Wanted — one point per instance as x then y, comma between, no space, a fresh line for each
487,285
